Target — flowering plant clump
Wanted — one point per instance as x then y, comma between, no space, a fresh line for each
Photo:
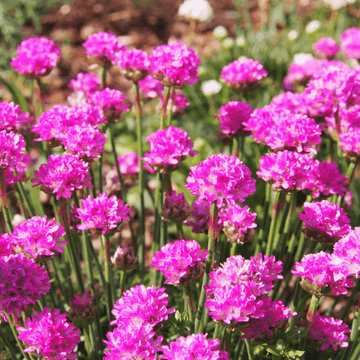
325,222
350,43
243,74
12,118
102,214
181,262
326,48
36,57
50,335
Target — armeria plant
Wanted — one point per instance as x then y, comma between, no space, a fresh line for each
112,262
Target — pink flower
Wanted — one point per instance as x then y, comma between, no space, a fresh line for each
350,143
194,346
141,306
232,117
87,83
62,175
181,262
12,118
290,101
5,245
168,148
328,331
50,335
243,74
350,39
35,56
326,48
150,87
124,258
21,283
175,208
199,217
222,178
129,164
174,64
102,214
81,312
324,222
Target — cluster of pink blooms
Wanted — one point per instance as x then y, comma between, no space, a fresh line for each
281,129
168,148
326,48
243,74
175,208
81,312
325,222
129,164
150,87
35,57
181,262
350,143
12,118
86,83
350,39
199,217
62,175
102,214
290,101
222,178
346,119
49,335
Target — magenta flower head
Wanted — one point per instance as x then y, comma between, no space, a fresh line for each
102,214
194,346
199,217
328,331
243,74
103,46
81,311
350,143
326,48
129,164
350,43
62,175
175,208
22,283
50,335
181,262
325,222
174,65
35,57
167,149
232,117
142,306
150,87
124,258
222,178
86,83
12,118
290,101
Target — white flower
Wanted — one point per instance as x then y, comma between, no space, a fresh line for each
228,43
292,35
240,41
196,9
220,32
312,26
210,87
337,4
302,58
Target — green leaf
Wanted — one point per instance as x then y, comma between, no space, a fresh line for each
16,94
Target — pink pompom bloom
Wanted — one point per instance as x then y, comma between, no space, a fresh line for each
22,283
290,101
275,314
35,57
5,245
167,149
50,335
175,208
194,346
243,74
174,64
102,214
328,331
223,178
232,117
150,87
85,83
350,143
326,48
181,262
39,238
325,222
142,306
350,43
130,341
199,217
129,164
12,118
317,274
103,45
62,175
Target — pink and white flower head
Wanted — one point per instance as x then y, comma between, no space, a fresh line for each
350,43
62,175
103,46
49,335
199,217
350,143
181,262
22,283
36,57
328,331
103,215
238,224
325,222
243,74
175,208
232,117
222,178
317,274
12,118
326,48
86,83
194,346
150,87
38,237
142,306
290,101
174,65
168,148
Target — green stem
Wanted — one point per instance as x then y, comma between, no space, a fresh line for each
101,174
103,77
233,249
6,213
38,97
353,336
122,281
259,240
310,316
180,230
20,190
217,331
249,349
350,301
8,345
166,97
93,182
108,275
170,106
190,305
269,245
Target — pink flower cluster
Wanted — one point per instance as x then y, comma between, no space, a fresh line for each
81,312
50,335
85,83
350,43
150,87
326,48
12,118
129,164
181,262
350,143
290,101
175,208
199,217
35,57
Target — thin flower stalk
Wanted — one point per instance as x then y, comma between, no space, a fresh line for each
170,106
24,198
310,316
274,213
249,349
8,345
353,336
163,119
37,97
259,238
